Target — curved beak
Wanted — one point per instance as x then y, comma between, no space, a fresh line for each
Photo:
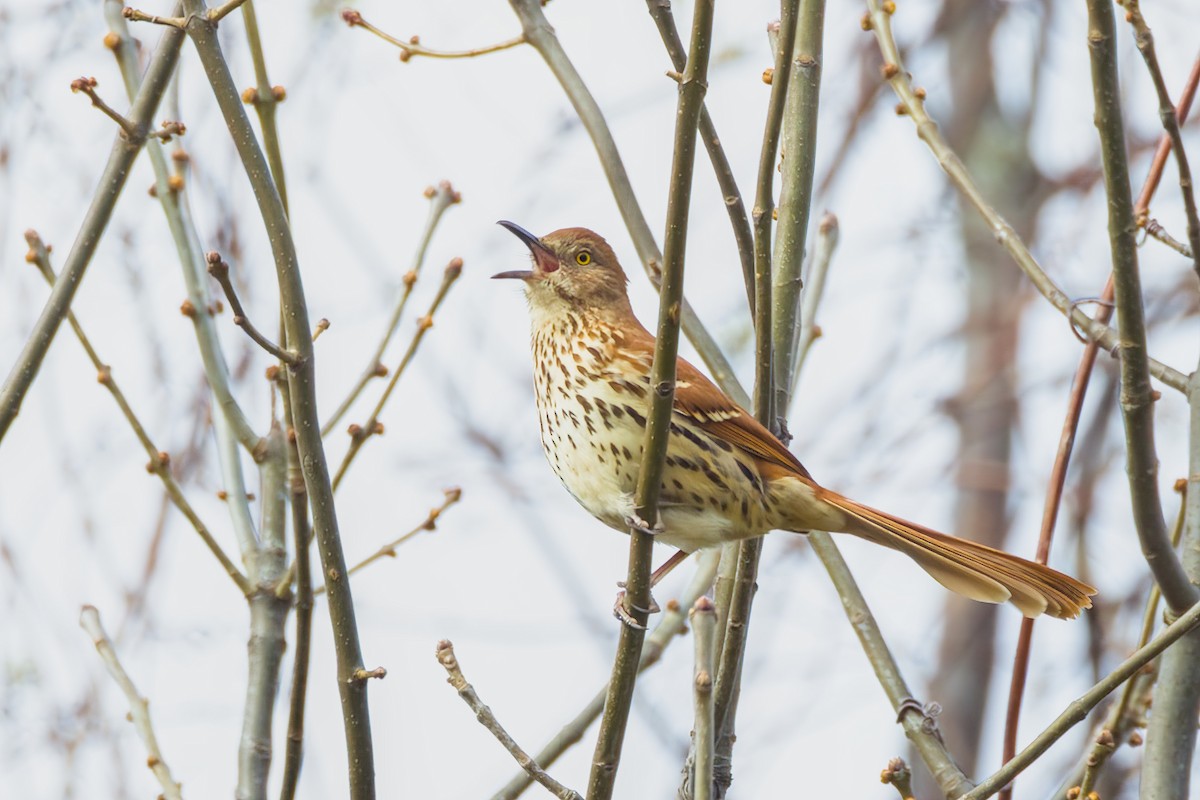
544,259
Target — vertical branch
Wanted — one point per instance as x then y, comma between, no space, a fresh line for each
704,623
692,89
795,192
660,12
352,677
112,181
265,97
1136,403
268,615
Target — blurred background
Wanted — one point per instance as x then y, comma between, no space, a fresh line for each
937,390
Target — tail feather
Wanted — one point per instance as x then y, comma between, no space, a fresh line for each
970,568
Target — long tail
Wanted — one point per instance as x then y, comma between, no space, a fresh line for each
971,569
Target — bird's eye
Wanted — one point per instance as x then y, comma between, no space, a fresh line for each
583,258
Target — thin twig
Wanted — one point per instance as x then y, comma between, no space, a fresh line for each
441,198
159,464
1078,710
879,20
1170,122
818,269
692,89
88,87
1156,231
112,181
360,433
664,20
413,46
451,496
139,708
302,394
220,271
671,625
540,34
446,657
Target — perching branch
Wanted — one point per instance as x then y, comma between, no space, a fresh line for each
692,89
664,20
139,709
446,657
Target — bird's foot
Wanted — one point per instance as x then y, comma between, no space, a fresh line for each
626,618
638,524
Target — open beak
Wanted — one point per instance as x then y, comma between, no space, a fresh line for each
544,259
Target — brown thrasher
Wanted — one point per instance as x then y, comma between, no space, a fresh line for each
726,476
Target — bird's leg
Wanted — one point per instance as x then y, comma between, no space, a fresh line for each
638,524
619,606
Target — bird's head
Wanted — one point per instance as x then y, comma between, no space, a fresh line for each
572,266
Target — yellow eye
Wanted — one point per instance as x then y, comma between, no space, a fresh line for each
583,258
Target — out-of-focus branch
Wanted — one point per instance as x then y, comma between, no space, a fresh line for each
539,33
112,181
827,241
1066,444
351,676
446,657
1170,122
664,20
1078,710
360,433
160,463
1137,405
139,709
692,88
879,21
441,198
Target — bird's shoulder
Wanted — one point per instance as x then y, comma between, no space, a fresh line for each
702,403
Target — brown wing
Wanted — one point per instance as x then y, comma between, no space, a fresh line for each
701,402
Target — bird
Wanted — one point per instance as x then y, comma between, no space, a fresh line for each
725,477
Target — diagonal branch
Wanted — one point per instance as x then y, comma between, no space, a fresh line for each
112,181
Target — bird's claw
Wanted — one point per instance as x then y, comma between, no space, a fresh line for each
638,524
620,612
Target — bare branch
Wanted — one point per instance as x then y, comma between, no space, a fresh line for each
446,657
413,46
139,708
